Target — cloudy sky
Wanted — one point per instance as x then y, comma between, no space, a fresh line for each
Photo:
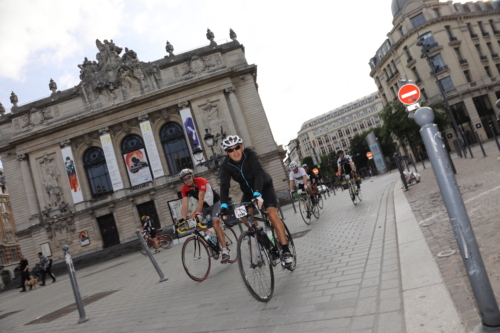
312,56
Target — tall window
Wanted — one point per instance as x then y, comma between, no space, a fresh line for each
479,51
408,54
175,147
498,68
418,20
13,255
448,32
459,55
487,69
483,32
438,63
97,172
436,12
428,40
10,238
469,27
467,76
424,94
415,72
492,24
490,48
446,83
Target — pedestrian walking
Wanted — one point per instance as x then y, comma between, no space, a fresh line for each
25,275
46,265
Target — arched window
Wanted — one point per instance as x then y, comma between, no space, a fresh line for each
136,160
97,172
175,147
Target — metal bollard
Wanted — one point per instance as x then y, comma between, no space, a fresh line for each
421,157
413,162
457,148
478,138
401,169
494,136
478,277
150,255
468,145
74,284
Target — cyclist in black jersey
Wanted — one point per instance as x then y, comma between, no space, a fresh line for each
346,167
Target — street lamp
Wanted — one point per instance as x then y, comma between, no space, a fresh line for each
215,161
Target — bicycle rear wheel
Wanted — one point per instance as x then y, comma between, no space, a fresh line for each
359,195
255,267
165,241
319,198
316,211
196,259
143,250
231,244
305,211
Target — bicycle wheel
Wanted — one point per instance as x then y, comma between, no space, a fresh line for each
196,259
143,250
320,200
231,244
255,267
316,211
359,195
165,241
291,247
304,208
352,193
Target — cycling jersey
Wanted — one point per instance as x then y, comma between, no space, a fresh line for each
299,176
345,163
201,184
311,175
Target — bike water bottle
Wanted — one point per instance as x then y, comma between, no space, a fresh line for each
214,237
207,237
270,235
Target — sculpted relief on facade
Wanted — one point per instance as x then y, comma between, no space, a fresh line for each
50,182
214,122
35,118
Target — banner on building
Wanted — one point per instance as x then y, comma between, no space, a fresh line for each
84,238
74,181
191,132
149,142
109,154
137,167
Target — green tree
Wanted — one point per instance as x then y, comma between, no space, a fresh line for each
307,160
328,164
359,147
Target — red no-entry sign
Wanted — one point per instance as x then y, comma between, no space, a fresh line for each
369,155
409,94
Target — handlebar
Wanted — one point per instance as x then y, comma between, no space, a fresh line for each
197,224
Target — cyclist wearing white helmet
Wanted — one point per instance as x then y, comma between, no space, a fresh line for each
243,166
346,167
299,175
208,203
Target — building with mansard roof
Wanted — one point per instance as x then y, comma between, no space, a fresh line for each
334,129
463,40
91,160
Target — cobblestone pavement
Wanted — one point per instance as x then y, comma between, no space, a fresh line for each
347,280
479,182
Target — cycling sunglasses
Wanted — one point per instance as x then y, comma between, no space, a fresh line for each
187,178
230,150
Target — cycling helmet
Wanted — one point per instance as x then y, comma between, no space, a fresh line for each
305,166
144,218
340,151
292,165
185,172
230,141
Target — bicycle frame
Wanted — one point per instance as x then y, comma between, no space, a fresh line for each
199,227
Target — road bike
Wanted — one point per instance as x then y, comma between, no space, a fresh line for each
354,192
203,245
306,208
259,250
164,241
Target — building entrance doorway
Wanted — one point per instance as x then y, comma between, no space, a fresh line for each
149,209
109,233
486,114
463,121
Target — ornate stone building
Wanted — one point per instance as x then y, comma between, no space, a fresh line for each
9,246
90,160
464,44
333,130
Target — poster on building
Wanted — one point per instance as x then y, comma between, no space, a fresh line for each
191,132
84,238
138,167
109,154
74,182
176,212
149,142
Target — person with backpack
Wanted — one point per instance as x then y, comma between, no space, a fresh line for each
46,265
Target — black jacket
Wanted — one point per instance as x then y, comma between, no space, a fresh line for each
248,173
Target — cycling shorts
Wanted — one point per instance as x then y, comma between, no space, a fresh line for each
152,233
268,194
212,210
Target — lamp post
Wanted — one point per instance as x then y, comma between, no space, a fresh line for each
214,162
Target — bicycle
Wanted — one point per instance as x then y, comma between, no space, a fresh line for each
354,193
164,241
306,207
198,249
259,251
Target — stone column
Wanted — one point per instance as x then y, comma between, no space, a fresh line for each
28,184
238,117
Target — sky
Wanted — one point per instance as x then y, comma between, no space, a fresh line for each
312,57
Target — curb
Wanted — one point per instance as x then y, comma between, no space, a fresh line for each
428,306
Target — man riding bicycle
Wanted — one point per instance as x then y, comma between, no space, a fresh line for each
208,203
313,178
151,230
243,166
346,167
300,176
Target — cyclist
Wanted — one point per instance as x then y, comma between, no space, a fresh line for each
243,166
299,175
313,178
346,167
208,203
150,228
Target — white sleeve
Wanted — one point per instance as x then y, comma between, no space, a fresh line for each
338,162
291,175
302,172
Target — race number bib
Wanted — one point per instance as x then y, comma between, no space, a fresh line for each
240,212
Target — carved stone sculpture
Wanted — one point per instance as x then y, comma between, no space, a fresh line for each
53,86
232,35
65,143
50,175
143,117
210,37
211,118
230,90
13,99
183,104
2,110
103,130
170,49
21,157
